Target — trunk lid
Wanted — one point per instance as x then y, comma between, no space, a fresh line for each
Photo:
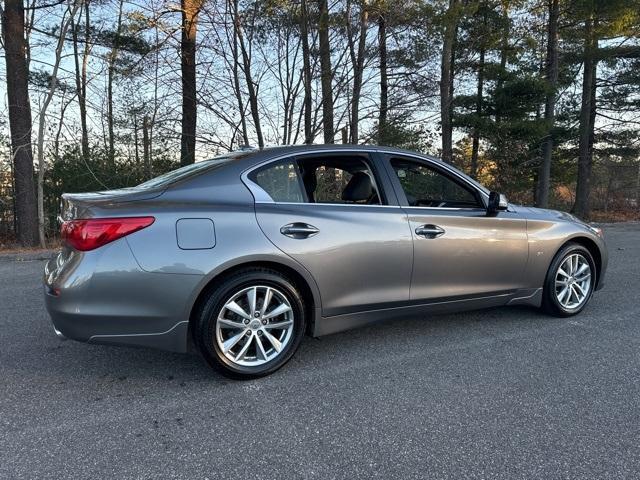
78,205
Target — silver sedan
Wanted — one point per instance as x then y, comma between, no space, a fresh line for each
242,255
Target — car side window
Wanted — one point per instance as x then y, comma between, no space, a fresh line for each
329,184
325,179
339,180
428,187
281,181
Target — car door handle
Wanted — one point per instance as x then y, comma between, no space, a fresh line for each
429,231
299,230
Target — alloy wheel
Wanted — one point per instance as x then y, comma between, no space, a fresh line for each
573,281
254,326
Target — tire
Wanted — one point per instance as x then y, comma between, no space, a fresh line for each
556,300
241,340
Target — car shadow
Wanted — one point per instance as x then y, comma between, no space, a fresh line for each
69,361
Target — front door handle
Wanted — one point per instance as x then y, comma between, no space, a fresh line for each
299,230
429,231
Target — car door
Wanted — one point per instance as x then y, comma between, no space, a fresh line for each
359,251
459,251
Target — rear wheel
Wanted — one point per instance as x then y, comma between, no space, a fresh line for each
252,324
570,281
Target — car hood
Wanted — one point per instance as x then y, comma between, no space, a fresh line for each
534,213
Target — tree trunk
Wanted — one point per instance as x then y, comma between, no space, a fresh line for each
503,166
146,147
136,142
326,75
587,116
446,82
357,59
236,85
42,116
306,71
56,139
246,67
150,122
475,145
20,122
190,11
384,81
504,50
638,188
81,78
551,74
111,71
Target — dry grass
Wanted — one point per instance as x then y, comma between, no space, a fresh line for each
615,216
9,246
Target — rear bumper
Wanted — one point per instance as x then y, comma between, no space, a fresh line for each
104,297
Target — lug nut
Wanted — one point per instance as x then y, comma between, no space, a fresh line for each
246,321
249,333
264,322
259,333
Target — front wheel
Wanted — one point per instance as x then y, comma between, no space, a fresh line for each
570,281
252,324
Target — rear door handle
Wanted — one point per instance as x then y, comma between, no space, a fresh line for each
429,231
298,230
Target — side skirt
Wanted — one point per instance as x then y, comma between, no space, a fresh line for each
339,323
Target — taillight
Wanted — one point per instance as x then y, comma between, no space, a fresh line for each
89,234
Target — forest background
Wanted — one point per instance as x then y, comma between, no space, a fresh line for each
537,99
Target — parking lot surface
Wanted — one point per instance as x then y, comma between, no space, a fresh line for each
504,393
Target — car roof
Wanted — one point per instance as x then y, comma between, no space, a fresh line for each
246,159
251,157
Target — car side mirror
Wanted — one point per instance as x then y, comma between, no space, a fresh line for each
497,202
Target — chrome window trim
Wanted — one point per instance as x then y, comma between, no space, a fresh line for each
262,197
465,209
331,204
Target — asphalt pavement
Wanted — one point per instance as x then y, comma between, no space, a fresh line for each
503,393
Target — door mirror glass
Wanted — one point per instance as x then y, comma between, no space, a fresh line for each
497,202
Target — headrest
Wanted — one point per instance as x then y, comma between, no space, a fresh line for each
358,189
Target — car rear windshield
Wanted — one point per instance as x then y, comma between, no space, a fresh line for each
183,172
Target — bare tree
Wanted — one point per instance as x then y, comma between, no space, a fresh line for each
236,81
551,74
326,74
384,81
246,67
13,33
190,11
146,147
81,75
306,69
446,81
475,141
67,19
357,60
587,119
111,70
64,104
